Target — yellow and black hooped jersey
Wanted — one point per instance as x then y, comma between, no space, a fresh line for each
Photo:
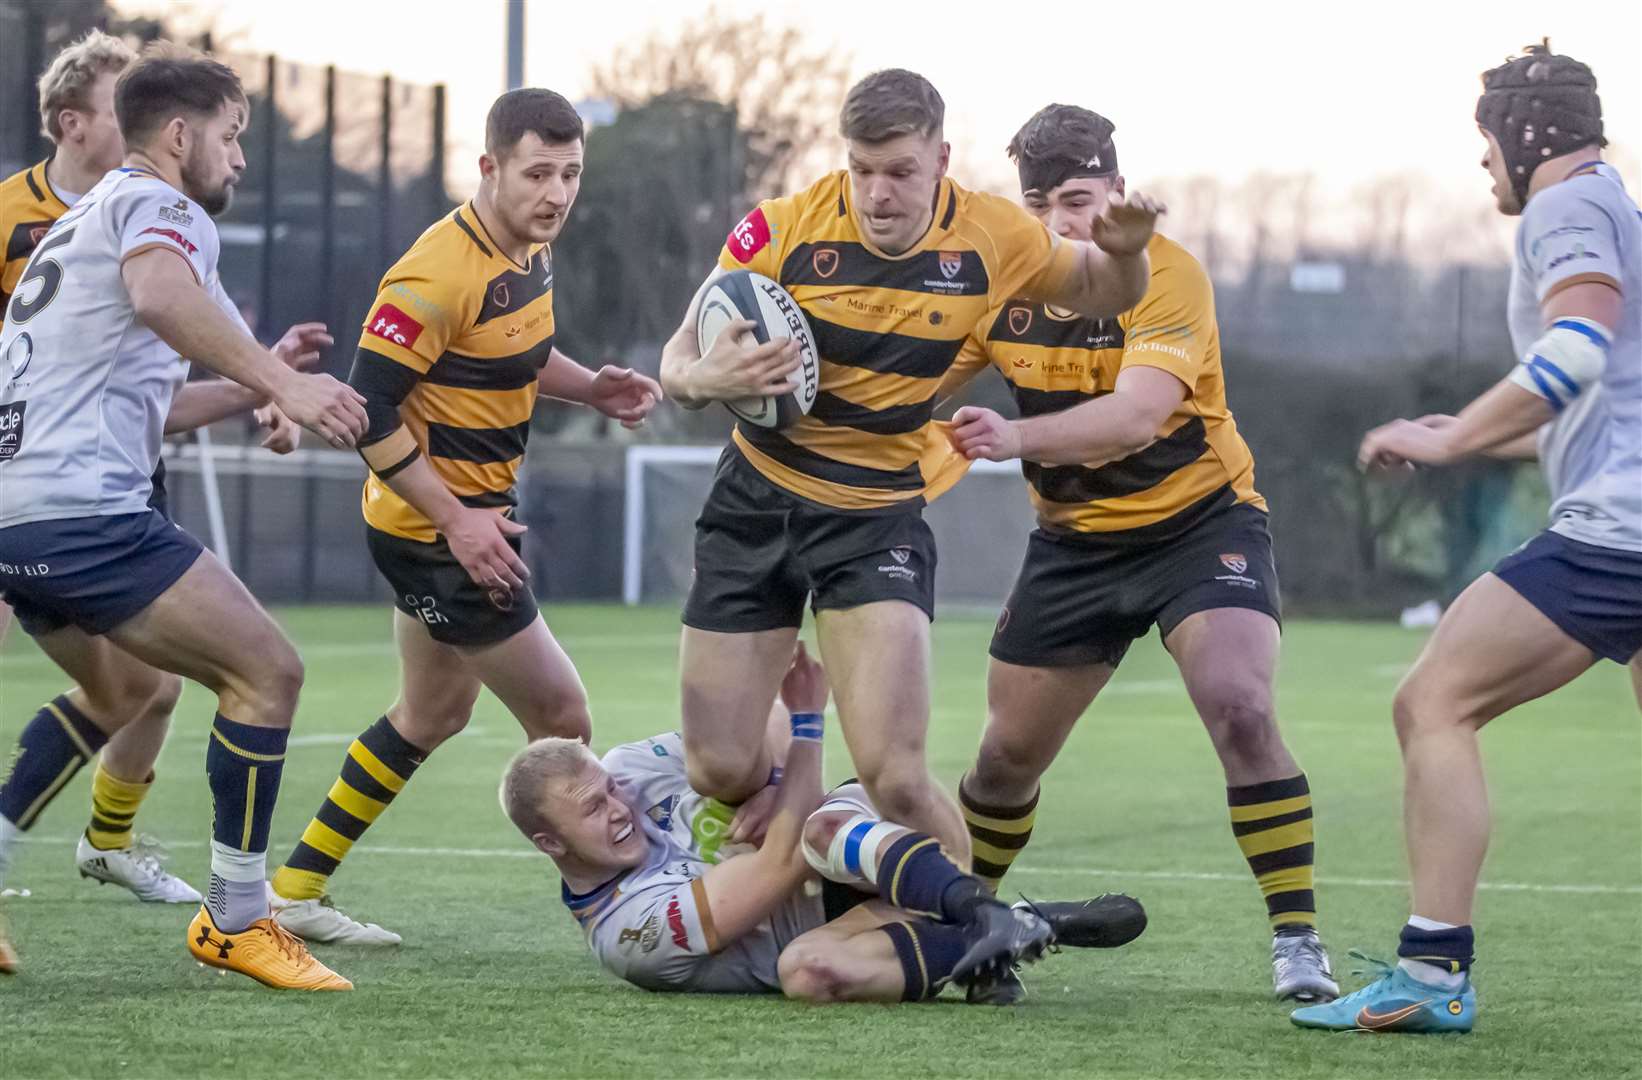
1054,360
28,207
476,328
888,328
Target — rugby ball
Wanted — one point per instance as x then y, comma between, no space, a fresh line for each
742,294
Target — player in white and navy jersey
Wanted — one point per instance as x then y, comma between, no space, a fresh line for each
1570,596
119,289
120,698
666,905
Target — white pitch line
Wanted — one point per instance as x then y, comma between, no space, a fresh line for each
1358,883
386,647
1064,871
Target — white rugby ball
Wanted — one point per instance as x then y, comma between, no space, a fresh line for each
742,294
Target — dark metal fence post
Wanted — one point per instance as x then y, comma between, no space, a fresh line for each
310,531
438,164
327,202
384,196
327,279
270,202
34,60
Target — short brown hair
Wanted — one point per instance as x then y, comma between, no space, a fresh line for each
66,83
518,112
169,81
891,103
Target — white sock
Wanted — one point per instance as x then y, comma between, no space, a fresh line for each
1420,922
1431,974
8,839
238,893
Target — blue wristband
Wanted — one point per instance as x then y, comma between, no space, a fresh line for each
806,726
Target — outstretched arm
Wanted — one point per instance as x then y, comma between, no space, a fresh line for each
1567,359
168,298
1110,275
619,393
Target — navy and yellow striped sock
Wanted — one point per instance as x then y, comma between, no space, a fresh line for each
54,746
243,764
379,764
916,875
1451,949
998,834
928,952
1273,826
114,805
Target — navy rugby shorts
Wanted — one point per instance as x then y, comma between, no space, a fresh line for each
91,572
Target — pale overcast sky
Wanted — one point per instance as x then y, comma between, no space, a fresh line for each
1344,93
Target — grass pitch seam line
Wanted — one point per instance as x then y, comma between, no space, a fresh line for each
1044,871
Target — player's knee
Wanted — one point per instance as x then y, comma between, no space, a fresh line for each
162,702
564,716
900,792
1417,705
128,692
1241,719
1006,770
807,974
820,829
727,776
429,726
284,677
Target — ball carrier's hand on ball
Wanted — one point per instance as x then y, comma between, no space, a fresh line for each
737,366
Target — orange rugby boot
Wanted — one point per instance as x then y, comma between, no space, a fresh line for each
265,951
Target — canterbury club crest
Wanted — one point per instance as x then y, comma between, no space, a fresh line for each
951,262
825,262
1235,563
1020,320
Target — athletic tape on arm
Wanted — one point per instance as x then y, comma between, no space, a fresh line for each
1570,356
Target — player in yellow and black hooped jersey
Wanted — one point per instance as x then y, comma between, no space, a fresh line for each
457,347
1147,515
893,264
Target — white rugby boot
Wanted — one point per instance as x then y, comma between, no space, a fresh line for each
322,922
1300,969
136,868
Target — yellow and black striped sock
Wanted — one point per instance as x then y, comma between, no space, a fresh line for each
114,804
1273,826
379,764
997,833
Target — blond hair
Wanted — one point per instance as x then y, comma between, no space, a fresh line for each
524,784
67,81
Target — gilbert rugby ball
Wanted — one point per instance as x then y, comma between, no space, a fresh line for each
742,294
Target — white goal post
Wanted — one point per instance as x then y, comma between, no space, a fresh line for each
980,525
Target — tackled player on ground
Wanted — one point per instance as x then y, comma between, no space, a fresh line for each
667,905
